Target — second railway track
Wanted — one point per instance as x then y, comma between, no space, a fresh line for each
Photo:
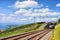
35,35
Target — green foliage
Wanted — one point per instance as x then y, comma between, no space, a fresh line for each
57,32
40,22
59,21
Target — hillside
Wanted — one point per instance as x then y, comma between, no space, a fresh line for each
56,34
20,29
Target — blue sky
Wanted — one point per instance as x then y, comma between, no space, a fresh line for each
23,11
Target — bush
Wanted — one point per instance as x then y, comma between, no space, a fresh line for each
59,21
57,32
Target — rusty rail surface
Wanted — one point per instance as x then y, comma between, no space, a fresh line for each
36,34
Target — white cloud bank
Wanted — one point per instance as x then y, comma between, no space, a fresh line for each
58,5
30,13
36,12
26,4
2,14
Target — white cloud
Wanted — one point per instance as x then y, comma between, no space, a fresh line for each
52,13
43,10
22,11
40,12
9,6
29,13
23,19
28,0
36,12
58,5
46,19
30,18
26,4
12,15
47,6
40,5
5,19
2,14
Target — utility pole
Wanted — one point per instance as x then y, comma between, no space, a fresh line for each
34,21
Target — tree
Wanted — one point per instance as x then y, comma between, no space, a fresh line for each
59,21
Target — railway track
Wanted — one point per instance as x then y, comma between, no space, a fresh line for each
35,35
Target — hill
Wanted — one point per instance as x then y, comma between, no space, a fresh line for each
20,29
56,34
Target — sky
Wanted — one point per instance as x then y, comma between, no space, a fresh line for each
24,11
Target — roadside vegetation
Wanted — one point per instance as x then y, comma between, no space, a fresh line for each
20,29
56,34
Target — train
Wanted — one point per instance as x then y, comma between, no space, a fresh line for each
50,25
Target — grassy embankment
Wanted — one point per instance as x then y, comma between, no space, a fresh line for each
56,34
19,30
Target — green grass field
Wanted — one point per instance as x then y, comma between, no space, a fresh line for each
57,32
7,34
19,30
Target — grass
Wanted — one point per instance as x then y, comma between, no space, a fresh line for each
2,35
19,30
57,32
